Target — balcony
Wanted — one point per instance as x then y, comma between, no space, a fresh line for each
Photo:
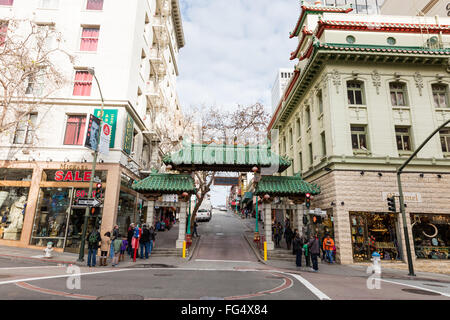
158,62
163,8
161,35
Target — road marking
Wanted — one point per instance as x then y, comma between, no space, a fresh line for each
30,287
206,260
416,287
313,289
32,267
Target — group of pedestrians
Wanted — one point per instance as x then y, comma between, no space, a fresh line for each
310,248
116,244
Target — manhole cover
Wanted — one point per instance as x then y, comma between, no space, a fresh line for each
434,285
157,288
163,275
121,297
419,291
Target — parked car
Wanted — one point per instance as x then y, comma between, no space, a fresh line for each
203,215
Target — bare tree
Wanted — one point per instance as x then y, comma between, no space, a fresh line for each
29,72
247,123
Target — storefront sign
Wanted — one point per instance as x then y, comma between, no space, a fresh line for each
128,137
170,198
73,176
227,181
408,196
109,117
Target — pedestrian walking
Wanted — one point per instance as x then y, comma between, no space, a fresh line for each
194,233
279,234
144,242
293,237
93,240
104,247
115,233
314,249
129,238
297,247
288,234
117,244
152,239
328,245
306,253
135,241
123,248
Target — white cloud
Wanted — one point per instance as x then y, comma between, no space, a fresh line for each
233,50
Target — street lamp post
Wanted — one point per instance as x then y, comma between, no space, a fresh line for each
94,163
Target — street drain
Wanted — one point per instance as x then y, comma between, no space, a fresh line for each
121,297
153,265
434,285
419,291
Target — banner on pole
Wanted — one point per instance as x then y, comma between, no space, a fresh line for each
93,132
109,117
105,139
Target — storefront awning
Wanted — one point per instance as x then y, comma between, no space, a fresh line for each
248,196
285,186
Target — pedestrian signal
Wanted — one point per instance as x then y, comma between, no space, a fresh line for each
391,204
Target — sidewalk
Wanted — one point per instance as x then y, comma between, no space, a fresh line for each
397,271
164,240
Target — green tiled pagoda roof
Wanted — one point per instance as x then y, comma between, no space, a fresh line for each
381,49
284,186
163,182
223,157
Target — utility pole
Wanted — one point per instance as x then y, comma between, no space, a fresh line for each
94,163
401,198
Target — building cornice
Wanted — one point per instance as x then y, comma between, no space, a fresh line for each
322,52
308,9
305,34
178,24
379,27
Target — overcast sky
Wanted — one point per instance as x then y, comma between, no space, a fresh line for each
232,53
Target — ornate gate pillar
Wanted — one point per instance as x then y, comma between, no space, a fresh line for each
150,213
182,225
267,207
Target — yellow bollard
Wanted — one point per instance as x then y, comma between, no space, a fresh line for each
184,249
265,250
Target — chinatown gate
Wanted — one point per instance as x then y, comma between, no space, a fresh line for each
227,158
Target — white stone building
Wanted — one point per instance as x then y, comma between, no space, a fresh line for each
134,48
367,90
281,81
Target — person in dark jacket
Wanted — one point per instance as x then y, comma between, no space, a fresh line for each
288,234
297,246
314,249
144,242
293,237
93,240
129,237
152,238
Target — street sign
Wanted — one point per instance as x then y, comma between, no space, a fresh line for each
88,202
226,181
318,212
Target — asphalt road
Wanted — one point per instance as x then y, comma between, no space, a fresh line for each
223,267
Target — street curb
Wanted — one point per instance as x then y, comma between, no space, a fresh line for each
255,251
195,248
42,259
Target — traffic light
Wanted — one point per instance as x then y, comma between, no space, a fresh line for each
93,211
98,191
305,220
391,204
308,200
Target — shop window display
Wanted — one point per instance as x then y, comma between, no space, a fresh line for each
127,211
431,234
51,217
13,202
373,232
